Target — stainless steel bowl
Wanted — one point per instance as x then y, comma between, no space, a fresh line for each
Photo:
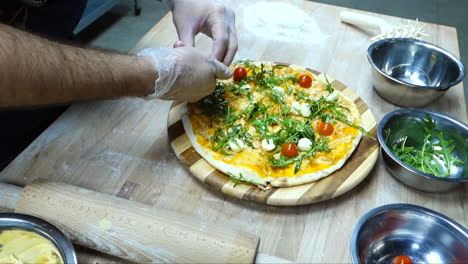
412,73
421,234
408,122
43,228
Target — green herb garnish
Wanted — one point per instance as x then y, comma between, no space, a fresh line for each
265,114
215,103
328,111
221,138
240,179
329,88
283,161
436,154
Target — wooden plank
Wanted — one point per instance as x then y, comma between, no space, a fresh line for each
110,145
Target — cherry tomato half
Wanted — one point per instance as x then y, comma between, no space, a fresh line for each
239,74
402,259
325,129
289,149
304,81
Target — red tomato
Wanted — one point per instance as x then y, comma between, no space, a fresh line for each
304,81
239,73
289,149
325,129
402,259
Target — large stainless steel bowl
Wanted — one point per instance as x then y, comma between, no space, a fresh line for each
408,122
423,235
43,228
412,73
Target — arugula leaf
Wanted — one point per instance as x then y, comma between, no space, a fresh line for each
300,95
254,110
262,124
240,179
330,110
266,79
276,97
283,161
436,154
215,103
276,66
321,145
349,123
221,138
329,88
292,130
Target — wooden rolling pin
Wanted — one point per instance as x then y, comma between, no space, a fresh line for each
131,230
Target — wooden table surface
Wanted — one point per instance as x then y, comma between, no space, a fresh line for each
120,147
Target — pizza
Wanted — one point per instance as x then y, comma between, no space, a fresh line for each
274,125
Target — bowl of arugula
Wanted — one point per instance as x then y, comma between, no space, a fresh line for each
424,149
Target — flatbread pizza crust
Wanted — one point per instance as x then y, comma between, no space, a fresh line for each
196,133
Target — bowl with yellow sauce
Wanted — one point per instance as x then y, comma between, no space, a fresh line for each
28,239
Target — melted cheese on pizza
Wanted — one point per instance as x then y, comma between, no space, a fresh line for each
269,106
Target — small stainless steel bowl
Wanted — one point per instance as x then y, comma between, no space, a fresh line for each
408,122
421,234
10,221
412,73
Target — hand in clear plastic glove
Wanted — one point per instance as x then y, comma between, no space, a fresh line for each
185,73
209,17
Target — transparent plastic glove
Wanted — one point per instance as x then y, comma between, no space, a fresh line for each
185,73
209,17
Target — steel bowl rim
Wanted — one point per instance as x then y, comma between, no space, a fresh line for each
441,88
399,206
52,233
387,150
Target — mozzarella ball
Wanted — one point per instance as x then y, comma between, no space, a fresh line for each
236,145
295,108
305,110
245,87
304,144
268,145
333,96
278,90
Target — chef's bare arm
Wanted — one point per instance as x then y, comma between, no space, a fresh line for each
36,71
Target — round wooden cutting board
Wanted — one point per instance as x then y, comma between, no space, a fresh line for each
356,168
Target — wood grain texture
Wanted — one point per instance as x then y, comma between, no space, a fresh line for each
134,231
352,173
9,196
110,145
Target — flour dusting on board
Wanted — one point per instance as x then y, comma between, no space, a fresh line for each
281,21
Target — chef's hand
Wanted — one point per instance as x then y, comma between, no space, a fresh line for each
185,73
210,17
